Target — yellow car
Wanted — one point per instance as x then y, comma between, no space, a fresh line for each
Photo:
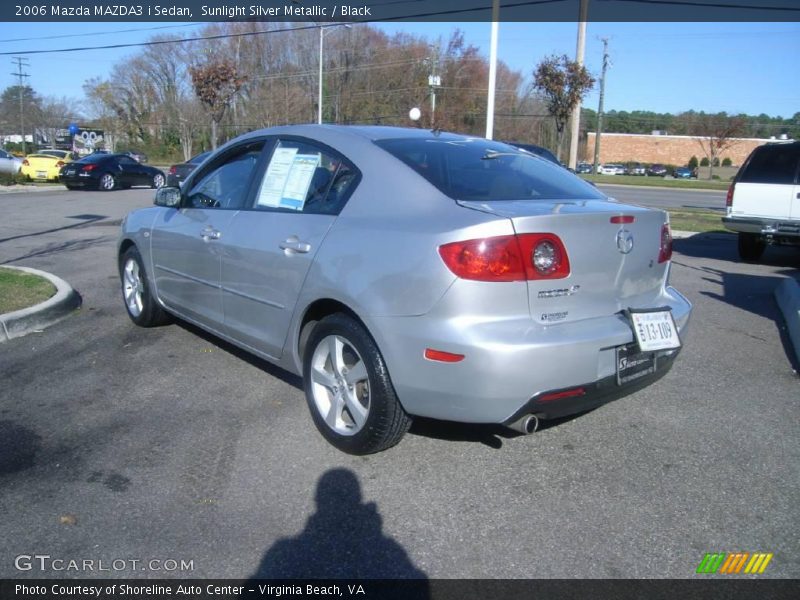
45,164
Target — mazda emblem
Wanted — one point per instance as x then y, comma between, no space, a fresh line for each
625,241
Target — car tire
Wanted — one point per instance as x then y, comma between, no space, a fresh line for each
140,304
107,182
70,187
751,246
349,393
158,181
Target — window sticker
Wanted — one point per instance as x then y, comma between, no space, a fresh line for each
288,179
295,191
275,180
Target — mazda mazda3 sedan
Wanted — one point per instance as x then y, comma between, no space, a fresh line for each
405,272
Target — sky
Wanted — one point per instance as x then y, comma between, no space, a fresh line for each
661,67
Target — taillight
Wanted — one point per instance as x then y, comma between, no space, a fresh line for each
508,258
622,219
729,197
25,163
173,169
89,167
665,251
60,164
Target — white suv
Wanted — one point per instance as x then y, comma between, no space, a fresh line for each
763,203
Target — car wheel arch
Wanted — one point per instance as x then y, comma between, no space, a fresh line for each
315,312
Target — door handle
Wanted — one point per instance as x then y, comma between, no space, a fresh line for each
293,245
209,234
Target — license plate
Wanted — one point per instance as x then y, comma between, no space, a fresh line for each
633,364
41,174
70,172
654,330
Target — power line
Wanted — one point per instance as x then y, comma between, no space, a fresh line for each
96,33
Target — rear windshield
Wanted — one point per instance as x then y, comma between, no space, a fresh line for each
93,158
478,169
772,164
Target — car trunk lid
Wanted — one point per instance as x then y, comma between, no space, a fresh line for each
613,251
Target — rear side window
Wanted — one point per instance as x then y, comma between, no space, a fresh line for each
477,169
772,164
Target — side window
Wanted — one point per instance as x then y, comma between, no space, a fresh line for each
126,160
303,177
225,183
772,164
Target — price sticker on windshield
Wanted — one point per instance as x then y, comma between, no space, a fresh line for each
654,330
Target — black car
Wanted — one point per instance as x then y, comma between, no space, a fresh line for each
657,171
109,172
583,168
177,173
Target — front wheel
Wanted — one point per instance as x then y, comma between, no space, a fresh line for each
142,307
348,389
158,181
107,182
751,246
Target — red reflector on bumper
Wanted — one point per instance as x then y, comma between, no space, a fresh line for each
560,395
623,219
441,356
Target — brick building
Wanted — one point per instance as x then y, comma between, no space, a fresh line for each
665,149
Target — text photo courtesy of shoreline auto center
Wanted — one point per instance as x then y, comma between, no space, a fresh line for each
414,299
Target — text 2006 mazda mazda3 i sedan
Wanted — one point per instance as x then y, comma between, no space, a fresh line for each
405,272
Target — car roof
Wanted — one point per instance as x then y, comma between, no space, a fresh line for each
367,132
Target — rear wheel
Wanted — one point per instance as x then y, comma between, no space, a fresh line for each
751,246
107,182
348,389
142,307
158,181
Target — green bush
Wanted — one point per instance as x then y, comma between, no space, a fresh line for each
704,162
715,177
693,163
716,161
727,162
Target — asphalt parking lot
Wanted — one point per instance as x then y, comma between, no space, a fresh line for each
124,444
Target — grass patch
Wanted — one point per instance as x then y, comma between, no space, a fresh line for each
701,221
686,184
20,290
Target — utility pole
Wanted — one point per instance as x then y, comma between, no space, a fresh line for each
576,112
434,82
600,107
21,62
492,70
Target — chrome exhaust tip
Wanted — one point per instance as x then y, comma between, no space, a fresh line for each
526,425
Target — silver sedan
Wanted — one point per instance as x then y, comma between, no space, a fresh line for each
9,163
405,272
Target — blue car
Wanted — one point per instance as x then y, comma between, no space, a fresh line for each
684,173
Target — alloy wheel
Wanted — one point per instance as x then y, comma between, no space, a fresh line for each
340,385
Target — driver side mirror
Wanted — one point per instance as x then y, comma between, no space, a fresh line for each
169,197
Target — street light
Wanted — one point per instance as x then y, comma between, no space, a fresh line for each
322,31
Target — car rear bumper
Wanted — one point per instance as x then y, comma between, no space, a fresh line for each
778,228
510,364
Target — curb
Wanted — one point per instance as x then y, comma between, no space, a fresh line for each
35,318
30,189
787,295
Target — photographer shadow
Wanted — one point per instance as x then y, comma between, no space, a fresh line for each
342,540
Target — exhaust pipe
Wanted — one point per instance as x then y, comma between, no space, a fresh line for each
526,425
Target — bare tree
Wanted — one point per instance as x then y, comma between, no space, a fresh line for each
715,133
55,115
563,83
216,83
